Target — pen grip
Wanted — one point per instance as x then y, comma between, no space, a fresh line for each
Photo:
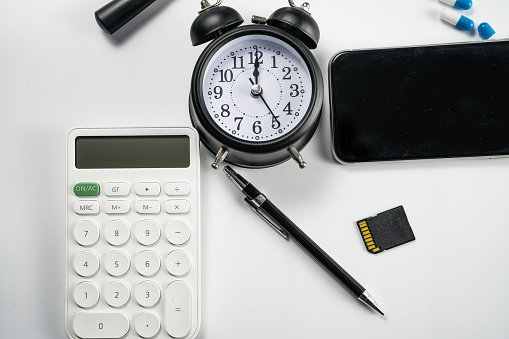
313,249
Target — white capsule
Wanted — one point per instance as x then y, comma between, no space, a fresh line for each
456,19
462,4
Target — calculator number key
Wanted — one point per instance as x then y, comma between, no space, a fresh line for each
86,263
117,294
117,263
147,232
147,263
86,294
147,293
101,325
86,233
117,232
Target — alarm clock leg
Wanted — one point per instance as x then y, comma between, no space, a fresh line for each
297,156
220,156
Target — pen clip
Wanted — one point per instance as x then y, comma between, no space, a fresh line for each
255,206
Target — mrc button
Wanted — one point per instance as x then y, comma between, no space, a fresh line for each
86,189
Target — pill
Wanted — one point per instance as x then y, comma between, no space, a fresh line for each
486,31
462,4
456,19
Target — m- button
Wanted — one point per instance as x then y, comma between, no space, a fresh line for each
148,188
147,206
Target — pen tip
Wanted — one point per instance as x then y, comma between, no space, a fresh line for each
368,300
376,307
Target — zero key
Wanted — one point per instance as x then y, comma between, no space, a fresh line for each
101,325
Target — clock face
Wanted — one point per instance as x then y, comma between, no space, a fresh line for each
257,88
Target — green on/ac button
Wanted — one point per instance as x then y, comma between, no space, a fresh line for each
86,189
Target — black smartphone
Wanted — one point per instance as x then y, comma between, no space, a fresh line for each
420,102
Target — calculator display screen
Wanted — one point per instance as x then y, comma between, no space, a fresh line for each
166,151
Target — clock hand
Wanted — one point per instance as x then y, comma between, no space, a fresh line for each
256,72
256,92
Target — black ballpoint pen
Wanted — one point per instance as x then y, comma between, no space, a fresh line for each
285,227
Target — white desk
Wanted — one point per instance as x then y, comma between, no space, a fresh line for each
59,70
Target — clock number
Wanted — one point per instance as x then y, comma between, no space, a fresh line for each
257,129
225,110
241,62
252,58
295,90
226,75
274,62
218,91
239,119
101,326
275,123
287,75
288,109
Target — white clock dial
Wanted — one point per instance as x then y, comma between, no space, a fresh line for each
257,88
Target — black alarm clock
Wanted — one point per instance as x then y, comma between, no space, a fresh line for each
256,90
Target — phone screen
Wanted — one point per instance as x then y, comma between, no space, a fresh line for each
423,102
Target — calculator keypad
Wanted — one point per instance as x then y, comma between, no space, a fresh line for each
142,263
101,325
148,293
117,263
117,189
117,232
86,233
86,263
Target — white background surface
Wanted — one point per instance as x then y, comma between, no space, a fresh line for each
58,70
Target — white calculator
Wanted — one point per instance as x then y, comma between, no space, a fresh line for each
133,233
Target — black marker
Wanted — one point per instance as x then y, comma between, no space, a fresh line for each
285,227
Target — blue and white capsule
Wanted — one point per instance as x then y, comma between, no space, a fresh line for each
487,32
461,4
456,19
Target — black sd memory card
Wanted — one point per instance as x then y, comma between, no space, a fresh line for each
386,230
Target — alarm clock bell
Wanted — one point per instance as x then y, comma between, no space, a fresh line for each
214,20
